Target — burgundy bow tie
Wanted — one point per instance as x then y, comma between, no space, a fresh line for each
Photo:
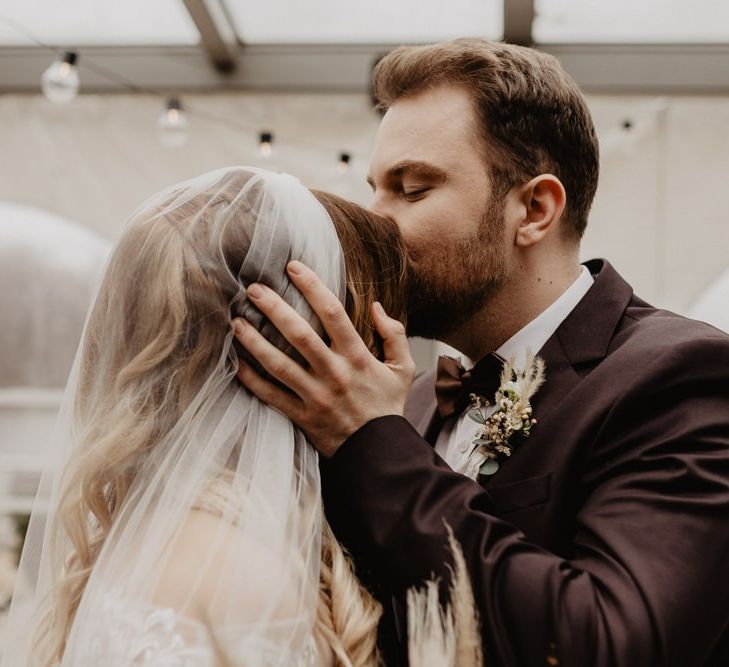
454,384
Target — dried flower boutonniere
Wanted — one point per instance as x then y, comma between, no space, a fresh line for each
513,415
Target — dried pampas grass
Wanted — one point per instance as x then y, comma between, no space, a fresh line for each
447,637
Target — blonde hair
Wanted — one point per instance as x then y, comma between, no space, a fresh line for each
155,332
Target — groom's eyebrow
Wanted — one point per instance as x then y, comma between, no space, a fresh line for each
411,167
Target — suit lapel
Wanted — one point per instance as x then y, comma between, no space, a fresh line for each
583,339
588,330
560,379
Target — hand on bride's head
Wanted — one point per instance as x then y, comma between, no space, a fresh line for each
367,370
344,385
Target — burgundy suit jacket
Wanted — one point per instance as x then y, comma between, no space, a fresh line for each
604,539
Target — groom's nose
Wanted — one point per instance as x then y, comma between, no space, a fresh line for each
378,206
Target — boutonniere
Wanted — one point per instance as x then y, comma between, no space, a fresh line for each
513,415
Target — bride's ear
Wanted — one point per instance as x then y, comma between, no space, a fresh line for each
543,201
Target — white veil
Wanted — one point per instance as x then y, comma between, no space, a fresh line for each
172,494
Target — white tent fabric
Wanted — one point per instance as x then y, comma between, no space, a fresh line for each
626,21
49,269
97,22
712,306
140,22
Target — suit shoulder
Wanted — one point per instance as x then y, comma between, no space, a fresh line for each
651,337
656,329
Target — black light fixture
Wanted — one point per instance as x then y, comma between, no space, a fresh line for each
344,162
266,143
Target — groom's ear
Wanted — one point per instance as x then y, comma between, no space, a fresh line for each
543,201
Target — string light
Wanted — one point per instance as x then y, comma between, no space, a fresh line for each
266,143
172,124
60,82
344,160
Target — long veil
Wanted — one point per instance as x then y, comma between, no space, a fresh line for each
171,493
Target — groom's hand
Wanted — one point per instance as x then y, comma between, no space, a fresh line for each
344,386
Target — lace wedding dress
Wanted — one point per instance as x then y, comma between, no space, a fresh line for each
133,634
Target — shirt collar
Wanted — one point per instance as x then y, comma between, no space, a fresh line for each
534,335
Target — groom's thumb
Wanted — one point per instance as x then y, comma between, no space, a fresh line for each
394,340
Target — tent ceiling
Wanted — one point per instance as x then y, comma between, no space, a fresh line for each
608,45
98,22
354,21
630,22
137,22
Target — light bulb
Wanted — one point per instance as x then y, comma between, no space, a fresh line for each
172,125
266,143
60,81
344,160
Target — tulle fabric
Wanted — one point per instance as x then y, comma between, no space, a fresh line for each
229,484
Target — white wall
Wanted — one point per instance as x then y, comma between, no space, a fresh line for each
659,215
95,160
661,211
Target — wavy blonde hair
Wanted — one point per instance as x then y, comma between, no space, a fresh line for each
159,322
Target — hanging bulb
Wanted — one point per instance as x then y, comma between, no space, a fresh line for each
172,125
60,81
266,143
344,160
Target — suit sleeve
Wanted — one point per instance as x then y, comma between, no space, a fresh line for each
647,578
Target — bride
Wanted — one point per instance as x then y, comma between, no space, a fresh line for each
180,522
183,524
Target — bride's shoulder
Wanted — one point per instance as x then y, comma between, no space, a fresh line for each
214,561
219,577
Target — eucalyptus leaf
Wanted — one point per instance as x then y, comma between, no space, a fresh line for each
476,415
488,467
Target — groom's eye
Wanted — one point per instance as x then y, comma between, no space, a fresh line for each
414,193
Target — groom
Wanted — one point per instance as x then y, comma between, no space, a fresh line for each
602,537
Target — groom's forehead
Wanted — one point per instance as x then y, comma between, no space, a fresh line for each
434,117
403,147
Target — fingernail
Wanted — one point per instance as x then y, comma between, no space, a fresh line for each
296,267
239,325
378,307
255,291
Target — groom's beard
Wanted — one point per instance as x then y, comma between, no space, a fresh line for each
450,283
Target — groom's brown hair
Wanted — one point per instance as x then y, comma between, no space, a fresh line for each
532,114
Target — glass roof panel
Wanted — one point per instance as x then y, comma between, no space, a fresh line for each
631,21
354,21
96,22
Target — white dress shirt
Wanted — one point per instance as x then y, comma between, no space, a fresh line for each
455,439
